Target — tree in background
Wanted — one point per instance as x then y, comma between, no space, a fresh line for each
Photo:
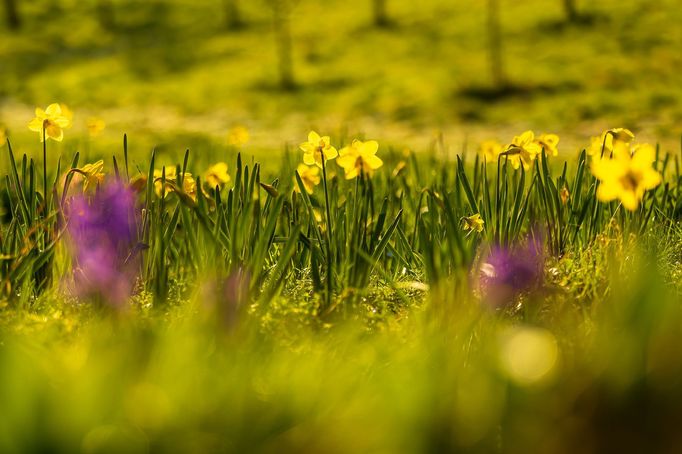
571,10
105,14
281,19
12,14
233,18
495,45
380,13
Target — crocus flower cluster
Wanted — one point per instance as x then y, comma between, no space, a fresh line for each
102,229
509,272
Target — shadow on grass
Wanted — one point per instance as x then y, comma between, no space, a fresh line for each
514,91
330,84
583,20
474,99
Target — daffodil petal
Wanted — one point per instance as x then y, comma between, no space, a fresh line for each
373,161
53,110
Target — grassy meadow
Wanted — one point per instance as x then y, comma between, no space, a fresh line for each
299,226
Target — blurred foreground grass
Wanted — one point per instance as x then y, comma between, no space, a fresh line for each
593,373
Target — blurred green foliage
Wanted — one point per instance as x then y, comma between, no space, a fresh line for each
162,70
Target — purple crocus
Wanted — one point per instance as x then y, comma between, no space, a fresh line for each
509,272
102,229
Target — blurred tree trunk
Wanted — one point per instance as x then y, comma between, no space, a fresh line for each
233,19
12,15
380,13
495,44
105,14
282,26
571,10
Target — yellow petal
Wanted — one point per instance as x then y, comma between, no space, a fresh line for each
352,173
550,139
515,161
330,153
650,179
62,122
346,161
309,159
533,148
53,110
54,132
621,134
644,156
608,169
313,137
524,138
373,161
346,150
629,200
369,147
36,125
609,190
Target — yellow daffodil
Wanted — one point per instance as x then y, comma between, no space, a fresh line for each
67,113
523,150
319,219
490,149
549,142
93,174
310,176
316,147
217,175
95,126
621,134
3,136
565,195
238,136
139,183
189,185
359,157
626,176
473,223
399,168
610,141
52,120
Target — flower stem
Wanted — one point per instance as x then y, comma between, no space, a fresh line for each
45,195
329,230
